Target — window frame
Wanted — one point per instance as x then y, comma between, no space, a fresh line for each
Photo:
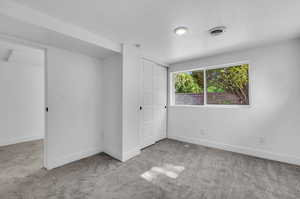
204,69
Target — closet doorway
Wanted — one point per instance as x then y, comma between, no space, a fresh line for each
153,91
22,116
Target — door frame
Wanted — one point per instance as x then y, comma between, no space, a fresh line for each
31,44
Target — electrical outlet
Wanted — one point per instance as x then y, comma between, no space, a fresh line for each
261,140
202,132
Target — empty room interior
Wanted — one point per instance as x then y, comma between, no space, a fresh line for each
149,99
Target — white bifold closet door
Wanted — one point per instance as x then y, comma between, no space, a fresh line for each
153,103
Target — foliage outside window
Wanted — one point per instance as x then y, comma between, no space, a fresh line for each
189,88
228,85
224,86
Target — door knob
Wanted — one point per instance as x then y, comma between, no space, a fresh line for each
141,108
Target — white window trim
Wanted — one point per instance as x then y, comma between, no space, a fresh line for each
204,69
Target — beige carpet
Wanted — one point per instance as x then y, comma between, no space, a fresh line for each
167,170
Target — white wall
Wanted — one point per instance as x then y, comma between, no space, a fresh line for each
112,106
121,104
21,102
93,106
75,101
270,127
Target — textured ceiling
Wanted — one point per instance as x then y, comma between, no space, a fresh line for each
151,23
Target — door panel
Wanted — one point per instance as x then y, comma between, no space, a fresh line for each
164,97
154,100
146,120
160,95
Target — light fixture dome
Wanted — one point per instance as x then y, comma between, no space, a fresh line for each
181,30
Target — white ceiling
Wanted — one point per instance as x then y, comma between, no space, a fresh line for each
36,34
151,23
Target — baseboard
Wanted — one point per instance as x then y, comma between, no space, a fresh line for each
72,158
112,154
130,154
20,140
239,149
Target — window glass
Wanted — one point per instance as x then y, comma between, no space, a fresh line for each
189,88
228,86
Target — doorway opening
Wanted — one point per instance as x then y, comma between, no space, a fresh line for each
22,105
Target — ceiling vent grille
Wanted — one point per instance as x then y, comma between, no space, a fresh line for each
216,31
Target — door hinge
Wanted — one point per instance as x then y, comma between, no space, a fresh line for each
47,109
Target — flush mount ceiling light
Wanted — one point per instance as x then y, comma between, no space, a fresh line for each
181,30
216,31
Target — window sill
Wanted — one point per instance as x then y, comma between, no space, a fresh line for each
212,106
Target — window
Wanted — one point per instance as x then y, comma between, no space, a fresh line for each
214,86
189,88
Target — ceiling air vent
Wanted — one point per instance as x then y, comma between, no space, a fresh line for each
217,30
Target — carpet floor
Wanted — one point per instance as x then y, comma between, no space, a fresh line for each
167,170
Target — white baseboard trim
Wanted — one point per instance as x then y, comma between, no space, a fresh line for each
72,158
130,154
20,140
112,154
239,149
